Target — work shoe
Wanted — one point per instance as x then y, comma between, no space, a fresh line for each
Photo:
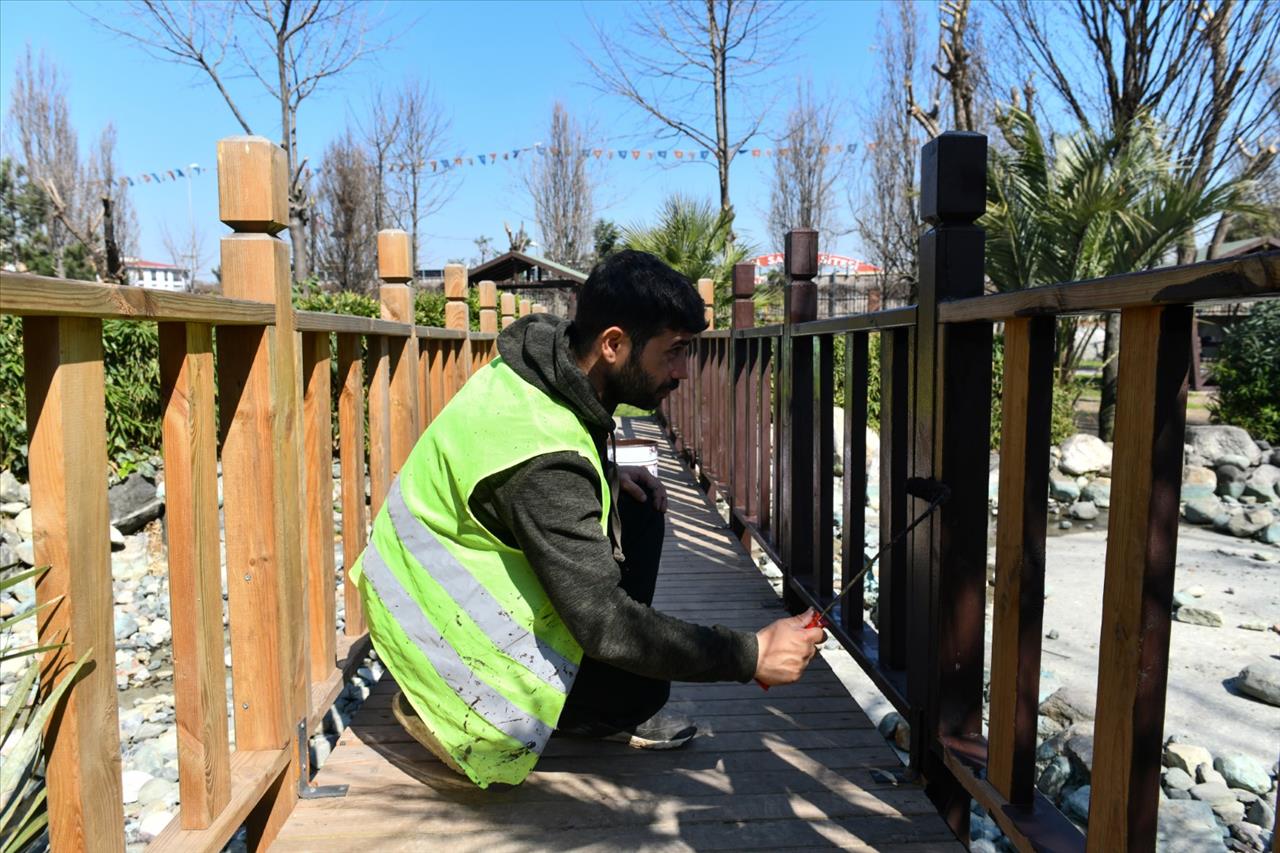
409,720
664,730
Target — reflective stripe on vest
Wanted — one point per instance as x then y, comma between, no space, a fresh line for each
495,708
498,625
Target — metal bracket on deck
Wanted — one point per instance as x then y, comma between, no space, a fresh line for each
307,791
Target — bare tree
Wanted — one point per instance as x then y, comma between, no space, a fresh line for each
381,131
291,48
417,191
805,169
518,240
103,179
187,249
887,214
674,56
346,234
562,189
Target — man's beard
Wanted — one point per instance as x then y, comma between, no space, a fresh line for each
630,385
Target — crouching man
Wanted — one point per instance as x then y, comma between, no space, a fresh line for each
509,574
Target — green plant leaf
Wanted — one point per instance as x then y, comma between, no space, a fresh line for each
14,580
33,821
13,620
22,754
9,716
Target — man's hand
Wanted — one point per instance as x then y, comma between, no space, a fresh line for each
639,483
785,649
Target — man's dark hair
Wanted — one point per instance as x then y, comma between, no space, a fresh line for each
640,294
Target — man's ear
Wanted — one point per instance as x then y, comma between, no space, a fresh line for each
614,345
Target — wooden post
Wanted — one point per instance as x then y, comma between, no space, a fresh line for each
707,290
1137,595
66,420
525,307
539,308
456,316
508,309
895,459
795,469
488,306
258,392
740,437
395,268
379,356
952,373
351,448
195,571
317,414
1027,415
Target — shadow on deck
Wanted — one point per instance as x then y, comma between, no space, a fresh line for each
790,768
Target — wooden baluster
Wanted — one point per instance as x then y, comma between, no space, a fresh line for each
379,355
952,387
525,307
768,463
824,471
1027,414
439,351
739,480
893,570
539,308
508,309
425,348
795,474
1133,655
66,420
705,391
195,572
854,484
258,393
707,290
351,449
395,268
317,414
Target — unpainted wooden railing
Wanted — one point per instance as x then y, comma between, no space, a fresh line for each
755,420
273,427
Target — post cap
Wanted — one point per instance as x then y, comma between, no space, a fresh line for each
744,281
801,253
953,178
508,303
253,185
455,281
488,294
394,262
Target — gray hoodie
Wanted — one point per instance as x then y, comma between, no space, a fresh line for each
549,507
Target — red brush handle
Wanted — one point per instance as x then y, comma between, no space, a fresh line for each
818,621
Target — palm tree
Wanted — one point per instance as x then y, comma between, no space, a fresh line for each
695,239
1094,206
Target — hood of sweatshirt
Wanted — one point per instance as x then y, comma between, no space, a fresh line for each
537,348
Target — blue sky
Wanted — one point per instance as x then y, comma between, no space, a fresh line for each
496,67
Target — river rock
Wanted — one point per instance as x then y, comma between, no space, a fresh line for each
134,780
133,503
1078,746
1200,616
1187,826
1261,680
1207,510
1069,705
1186,757
1098,492
1231,480
1241,771
1216,441
1206,773
1084,454
26,552
1084,511
1054,777
158,791
1262,483
1076,805
1271,533
1212,793
22,524
153,824
1176,779
1244,523
1062,487
11,491
1261,813
1198,482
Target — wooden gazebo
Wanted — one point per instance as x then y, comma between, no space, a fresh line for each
533,278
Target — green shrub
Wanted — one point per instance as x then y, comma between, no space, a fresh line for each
1065,395
131,364
1248,374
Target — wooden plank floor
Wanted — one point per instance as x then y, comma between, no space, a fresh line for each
779,770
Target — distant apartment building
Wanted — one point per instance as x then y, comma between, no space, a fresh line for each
155,275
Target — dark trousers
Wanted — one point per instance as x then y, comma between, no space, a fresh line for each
605,699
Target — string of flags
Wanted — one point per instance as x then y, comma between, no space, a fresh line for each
156,177
664,154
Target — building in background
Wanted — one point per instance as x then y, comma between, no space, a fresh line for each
156,276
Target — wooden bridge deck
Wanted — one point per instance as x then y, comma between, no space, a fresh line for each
790,768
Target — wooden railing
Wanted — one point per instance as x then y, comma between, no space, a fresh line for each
273,428
755,419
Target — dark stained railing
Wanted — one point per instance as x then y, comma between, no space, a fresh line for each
755,422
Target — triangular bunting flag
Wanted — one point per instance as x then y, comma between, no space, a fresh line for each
662,155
